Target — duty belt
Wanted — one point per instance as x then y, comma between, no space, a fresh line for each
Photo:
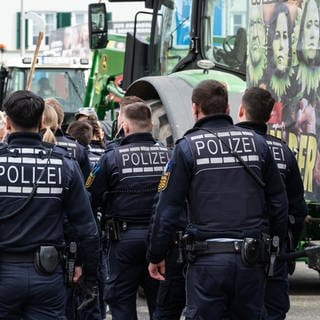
208,247
124,225
17,257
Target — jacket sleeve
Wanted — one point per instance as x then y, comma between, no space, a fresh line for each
276,198
80,216
295,193
171,203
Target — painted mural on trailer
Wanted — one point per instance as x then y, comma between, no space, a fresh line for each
284,57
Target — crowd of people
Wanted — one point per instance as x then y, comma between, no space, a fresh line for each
192,226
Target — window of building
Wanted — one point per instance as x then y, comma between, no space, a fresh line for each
52,20
237,21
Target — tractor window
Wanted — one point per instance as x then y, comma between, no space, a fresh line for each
17,80
175,33
66,85
224,33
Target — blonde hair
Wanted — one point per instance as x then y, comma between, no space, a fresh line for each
49,124
57,107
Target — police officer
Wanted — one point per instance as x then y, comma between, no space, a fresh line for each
75,150
254,113
97,146
38,187
124,185
227,174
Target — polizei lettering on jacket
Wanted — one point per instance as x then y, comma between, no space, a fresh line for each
142,159
18,174
278,154
217,149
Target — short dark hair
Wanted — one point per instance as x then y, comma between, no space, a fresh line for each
81,131
24,108
211,96
139,113
258,104
129,100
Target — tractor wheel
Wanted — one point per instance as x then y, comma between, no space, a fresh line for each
161,127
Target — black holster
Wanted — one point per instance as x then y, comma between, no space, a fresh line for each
254,251
112,229
46,259
70,257
179,244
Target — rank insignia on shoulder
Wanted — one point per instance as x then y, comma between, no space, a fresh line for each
165,177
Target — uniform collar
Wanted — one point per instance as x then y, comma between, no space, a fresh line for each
258,127
59,133
137,137
214,121
25,138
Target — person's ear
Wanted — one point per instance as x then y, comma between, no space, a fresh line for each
240,114
195,111
126,127
8,124
228,110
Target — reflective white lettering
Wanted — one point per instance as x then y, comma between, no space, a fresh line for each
199,145
135,159
13,174
125,158
277,152
27,175
212,147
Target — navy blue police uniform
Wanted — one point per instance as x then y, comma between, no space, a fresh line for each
276,294
84,158
124,184
226,205
95,151
75,150
32,218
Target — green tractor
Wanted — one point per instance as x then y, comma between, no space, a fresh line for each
240,43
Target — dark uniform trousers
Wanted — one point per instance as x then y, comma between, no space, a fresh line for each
211,276
171,297
277,302
126,269
15,286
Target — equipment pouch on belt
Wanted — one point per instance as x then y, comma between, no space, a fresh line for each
112,229
46,259
188,244
253,251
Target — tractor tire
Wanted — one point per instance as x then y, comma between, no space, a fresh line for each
162,130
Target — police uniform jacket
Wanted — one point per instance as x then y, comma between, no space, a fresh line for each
127,176
95,151
75,150
60,192
225,201
289,170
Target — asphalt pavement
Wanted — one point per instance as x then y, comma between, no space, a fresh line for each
304,296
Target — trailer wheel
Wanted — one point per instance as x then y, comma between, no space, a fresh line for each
161,127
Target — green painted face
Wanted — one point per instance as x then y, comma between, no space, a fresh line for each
310,37
257,36
280,45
